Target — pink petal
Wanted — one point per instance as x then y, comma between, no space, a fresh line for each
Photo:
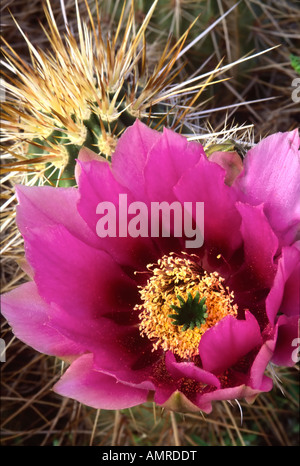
28,314
271,176
119,350
82,383
85,155
291,298
231,162
232,393
257,379
221,219
229,340
288,342
190,371
260,244
97,184
82,280
168,160
112,336
284,294
44,205
130,156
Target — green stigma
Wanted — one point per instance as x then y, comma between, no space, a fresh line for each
191,313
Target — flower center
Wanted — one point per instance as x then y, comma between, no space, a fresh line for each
181,301
191,313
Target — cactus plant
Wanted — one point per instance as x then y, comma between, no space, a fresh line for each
85,93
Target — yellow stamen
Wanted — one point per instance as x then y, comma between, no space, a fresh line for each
172,276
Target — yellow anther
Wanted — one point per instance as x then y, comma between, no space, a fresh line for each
173,276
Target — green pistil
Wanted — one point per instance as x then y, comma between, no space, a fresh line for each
191,313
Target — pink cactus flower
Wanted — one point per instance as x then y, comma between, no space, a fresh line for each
142,317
